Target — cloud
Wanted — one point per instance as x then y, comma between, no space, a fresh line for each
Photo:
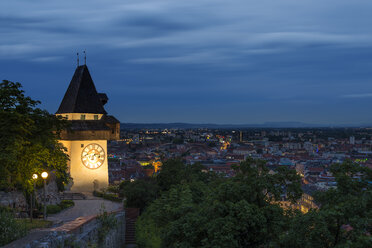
361,95
17,49
192,26
196,58
243,49
159,23
47,59
311,37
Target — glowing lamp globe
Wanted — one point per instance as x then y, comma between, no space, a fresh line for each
44,175
34,176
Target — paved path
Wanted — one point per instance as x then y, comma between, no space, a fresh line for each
90,206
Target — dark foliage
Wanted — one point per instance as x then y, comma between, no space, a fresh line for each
28,140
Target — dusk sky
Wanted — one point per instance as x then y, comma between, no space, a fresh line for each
198,61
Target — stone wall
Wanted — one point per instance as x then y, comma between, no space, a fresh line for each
12,199
52,194
82,232
17,200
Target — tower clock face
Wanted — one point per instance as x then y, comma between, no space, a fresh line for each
93,156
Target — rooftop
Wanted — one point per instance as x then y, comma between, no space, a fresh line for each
81,95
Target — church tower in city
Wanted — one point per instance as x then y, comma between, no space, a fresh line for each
89,130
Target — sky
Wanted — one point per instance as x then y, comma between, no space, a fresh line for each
198,61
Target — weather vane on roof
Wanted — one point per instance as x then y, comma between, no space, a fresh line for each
77,54
85,58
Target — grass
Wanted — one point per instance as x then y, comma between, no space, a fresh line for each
36,223
12,229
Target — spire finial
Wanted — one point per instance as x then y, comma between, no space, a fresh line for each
77,54
85,57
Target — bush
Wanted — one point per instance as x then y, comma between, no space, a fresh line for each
66,204
110,197
107,221
98,193
6,209
139,194
53,209
113,188
10,229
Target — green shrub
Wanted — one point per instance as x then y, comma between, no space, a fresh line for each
113,188
97,193
110,197
140,193
53,209
66,204
147,234
107,221
10,229
6,209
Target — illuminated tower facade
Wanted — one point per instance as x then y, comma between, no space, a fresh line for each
89,130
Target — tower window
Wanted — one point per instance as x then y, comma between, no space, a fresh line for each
82,117
95,117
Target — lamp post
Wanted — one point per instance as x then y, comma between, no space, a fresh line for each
44,175
34,177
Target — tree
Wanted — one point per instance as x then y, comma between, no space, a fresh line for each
345,216
28,140
234,212
140,193
174,171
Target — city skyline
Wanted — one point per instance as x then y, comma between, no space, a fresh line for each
241,62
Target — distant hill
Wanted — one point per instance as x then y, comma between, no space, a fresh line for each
225,126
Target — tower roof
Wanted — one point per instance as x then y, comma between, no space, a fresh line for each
81,95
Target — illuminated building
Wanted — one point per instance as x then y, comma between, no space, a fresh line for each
86,137
304,204
157,163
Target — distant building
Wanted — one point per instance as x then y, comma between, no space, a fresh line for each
308,146
352,140
304,204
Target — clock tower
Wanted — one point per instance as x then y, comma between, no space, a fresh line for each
89,130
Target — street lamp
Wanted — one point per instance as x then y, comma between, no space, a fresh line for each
34,176
44,175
